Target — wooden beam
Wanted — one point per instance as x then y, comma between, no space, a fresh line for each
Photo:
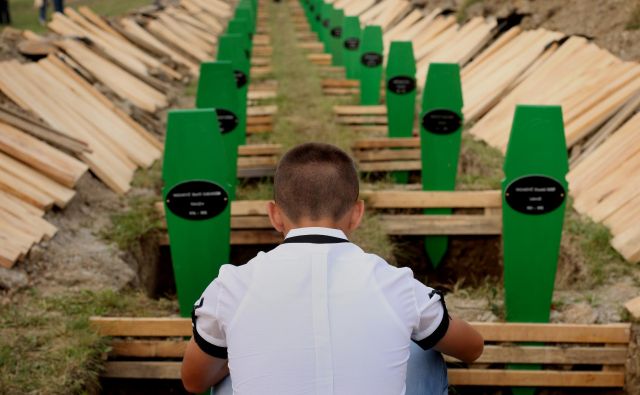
387,142
142,370
554,333
407,225
432,199
561,355
531,378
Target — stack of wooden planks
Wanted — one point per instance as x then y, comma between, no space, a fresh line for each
34,176
605,187
588,82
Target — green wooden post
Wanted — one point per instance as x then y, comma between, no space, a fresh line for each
316,17
230,49
401,95
370,65
351,46
245,11
217,89
197,207
335,33
240,26
533,205
440,137
325,20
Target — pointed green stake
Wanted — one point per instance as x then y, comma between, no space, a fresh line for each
335,32
245,11
401,95
230,49
370,65
217,90
440,136
351,46
533,204
197,206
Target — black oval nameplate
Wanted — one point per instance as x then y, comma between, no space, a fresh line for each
352,43
318,18
402,85
241,78
325,23
227,120
336,32
371,59
441,121
197,200
535,194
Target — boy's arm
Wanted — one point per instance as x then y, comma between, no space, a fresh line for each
461,341
201,371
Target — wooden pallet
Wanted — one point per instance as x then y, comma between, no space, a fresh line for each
153,347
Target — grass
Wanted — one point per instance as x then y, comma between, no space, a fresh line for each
24,16
461,14
634,19
128,227
46,345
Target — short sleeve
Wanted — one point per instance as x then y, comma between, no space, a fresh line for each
433,318
208,330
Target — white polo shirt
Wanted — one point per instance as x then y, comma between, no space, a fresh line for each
317,315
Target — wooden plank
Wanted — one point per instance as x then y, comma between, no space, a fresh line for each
529,378
141,327
408,165
386,154
148,348
561,355
142,370
55,164
416,225
360,110
244,237
555,333
256,111
633,307
387,143
42,131
21,189
432,199
260,149
363,119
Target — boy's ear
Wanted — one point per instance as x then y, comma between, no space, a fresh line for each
357,212
275,216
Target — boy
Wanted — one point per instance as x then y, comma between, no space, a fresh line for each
317,315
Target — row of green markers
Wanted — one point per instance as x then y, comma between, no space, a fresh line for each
200,161
534,189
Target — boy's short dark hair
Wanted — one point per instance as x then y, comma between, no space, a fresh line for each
316,180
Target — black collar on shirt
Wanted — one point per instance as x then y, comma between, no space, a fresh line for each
314,239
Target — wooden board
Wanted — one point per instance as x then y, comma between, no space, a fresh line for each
428,225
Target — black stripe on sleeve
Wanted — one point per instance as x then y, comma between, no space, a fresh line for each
433,339
208,348
205,346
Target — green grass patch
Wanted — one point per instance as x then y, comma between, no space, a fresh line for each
46,345
634,19
24,16
138,220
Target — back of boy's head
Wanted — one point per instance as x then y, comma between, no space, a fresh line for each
314,181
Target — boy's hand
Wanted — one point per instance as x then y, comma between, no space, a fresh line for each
201,371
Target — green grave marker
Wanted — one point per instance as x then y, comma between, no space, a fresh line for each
316,17
351,46
534,193
440,136
335,33
370,65
230,49
197,206
245,11
325,21
240,26
217,89
401,92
